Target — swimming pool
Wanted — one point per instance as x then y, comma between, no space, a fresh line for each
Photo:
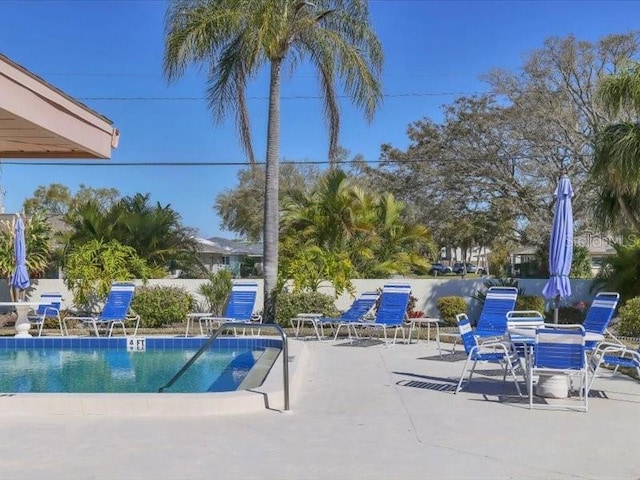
104,365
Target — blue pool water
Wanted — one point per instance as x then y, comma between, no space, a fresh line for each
103,365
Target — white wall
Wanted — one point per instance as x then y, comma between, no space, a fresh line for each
427,291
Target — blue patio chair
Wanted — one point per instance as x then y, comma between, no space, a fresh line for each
560,350
493,318
599,317
391,312
613,355
491,352
238,308
360,307
49,308
116,311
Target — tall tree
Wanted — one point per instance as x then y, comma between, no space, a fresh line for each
504,151
241,208
237,38
56,199
617,157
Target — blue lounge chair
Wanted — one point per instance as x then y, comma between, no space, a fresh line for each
613,355
493,318
559,349
116,311
49,308
599,317
490,352
390,314
239,307
355,313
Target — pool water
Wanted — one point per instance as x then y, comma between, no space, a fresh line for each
119,371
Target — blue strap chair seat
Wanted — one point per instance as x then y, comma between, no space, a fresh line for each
48,308
390,314
116,311
360,307
493,318
239,307
599,316
560,349
613,355
490,352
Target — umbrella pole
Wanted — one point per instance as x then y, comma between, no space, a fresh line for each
555,311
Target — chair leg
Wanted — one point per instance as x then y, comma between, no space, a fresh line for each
473,368
464,371
515,379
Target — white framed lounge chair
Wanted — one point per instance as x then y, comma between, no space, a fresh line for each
116,311
239,307
49,308
390,314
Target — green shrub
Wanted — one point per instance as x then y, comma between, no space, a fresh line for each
160,305
449,307
629,325
530,302
290,304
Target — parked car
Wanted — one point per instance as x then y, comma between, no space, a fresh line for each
439,269
471,268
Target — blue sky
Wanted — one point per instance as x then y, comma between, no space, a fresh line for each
102,51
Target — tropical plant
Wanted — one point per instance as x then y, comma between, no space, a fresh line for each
90,269
237,38
345,231
310,265
37,233
155,231
617,154
216,290
620,272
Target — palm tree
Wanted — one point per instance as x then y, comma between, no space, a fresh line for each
235,39
617,149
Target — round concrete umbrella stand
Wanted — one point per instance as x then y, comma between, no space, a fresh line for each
22,322
553,386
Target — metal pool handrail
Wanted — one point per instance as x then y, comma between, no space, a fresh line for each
225,326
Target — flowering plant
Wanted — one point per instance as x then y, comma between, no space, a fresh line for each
582,306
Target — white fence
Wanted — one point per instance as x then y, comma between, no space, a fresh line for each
427,291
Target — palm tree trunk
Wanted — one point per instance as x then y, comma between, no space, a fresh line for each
628,215
271,209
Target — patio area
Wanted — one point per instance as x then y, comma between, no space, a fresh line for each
359,411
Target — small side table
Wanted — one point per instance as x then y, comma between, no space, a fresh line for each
299,320
192,317
428,322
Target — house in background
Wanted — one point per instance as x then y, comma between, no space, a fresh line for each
524,260
243,259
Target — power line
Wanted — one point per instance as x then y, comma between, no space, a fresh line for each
108,163
284,97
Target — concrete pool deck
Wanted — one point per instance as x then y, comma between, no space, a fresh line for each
363,412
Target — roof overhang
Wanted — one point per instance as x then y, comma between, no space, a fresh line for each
38,120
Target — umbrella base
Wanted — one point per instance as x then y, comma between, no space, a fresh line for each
553,386
22,322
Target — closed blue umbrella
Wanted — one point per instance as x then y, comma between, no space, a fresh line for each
20,277
560,246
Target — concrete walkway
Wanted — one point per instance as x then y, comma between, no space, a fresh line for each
362,412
